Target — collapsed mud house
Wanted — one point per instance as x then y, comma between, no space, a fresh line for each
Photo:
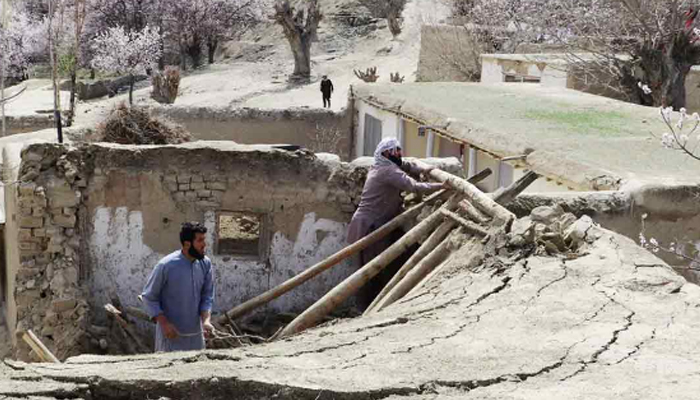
86,225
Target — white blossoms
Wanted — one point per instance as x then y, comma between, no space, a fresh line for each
645,88
119,51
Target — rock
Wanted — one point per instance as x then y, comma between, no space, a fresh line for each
578,233
545,214
30,284
60,306
103,344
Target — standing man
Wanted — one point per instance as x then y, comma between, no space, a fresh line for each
179,293
327,90
381,202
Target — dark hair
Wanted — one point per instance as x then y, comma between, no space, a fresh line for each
188,231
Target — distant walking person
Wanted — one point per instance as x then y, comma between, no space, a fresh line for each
327,90
180,292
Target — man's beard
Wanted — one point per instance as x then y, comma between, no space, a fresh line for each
195,254
396,160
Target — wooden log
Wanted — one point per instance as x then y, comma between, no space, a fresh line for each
331,261
434,240
472,212
336,258
354,282
476,197
416,275
504,196
467,225
39,348
139,314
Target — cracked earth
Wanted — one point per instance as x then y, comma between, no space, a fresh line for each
615,323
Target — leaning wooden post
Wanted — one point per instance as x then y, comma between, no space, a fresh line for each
39,348
416,275
427,246
336,258
354,282
504,196
476,197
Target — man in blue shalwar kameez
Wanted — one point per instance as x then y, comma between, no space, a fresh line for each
179,294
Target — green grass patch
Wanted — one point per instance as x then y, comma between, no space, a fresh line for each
587,122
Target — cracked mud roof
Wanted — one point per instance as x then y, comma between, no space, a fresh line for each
581,140
614,323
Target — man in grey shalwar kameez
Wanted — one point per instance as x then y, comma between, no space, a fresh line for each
381,202
179,294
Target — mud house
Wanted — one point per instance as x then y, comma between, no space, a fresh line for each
86,225
553,70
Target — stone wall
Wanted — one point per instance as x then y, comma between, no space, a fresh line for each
49,296
92,221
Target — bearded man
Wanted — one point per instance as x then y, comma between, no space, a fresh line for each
179,294
381,202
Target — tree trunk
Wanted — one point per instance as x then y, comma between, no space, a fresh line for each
673,87
194,50
394,20
73,89
301,48
131,89
212,45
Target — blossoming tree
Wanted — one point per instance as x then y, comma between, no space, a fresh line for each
130,53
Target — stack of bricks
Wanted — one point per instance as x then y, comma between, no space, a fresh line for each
202,190
48,292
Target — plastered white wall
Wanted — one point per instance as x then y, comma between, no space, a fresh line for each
122,262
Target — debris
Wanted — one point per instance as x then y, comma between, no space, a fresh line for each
132,125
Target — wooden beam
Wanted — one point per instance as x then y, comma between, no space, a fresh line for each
354,282
475,196
39,348
433,241
437,254
467,225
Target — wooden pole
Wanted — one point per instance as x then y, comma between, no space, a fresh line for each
411,281
472,212
354,282
415,275
470,227
434,240
504,196
336,258
39,348
476,197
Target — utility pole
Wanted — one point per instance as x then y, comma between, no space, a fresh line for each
54,76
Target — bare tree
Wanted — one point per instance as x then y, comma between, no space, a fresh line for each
389,9
300,28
